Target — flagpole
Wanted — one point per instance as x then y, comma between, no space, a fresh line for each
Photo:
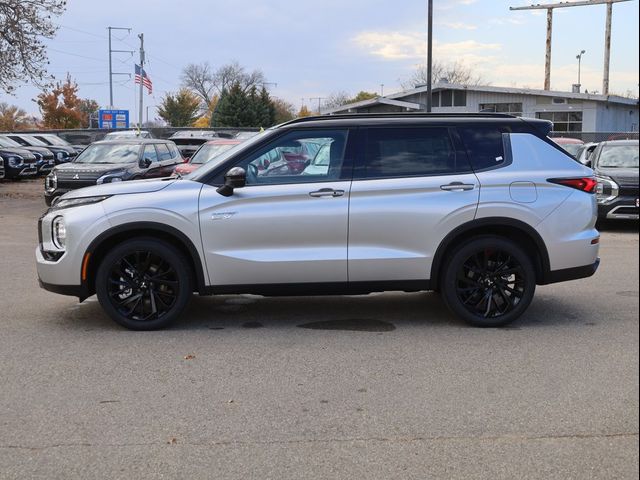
142,75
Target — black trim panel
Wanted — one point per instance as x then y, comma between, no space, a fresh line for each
331,288
567,274
79,291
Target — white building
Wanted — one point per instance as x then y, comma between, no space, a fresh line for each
570,112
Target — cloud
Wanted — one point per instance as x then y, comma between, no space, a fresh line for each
466,2
402,46
459,25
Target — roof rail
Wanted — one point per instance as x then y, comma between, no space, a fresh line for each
397,115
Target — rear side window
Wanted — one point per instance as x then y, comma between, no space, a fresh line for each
163,152
484,146
406,152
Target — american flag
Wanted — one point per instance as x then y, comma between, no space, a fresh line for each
146,81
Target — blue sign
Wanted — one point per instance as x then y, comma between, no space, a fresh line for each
113,118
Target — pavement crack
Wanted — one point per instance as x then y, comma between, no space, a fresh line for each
408,439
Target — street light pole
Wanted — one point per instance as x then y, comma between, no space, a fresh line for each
579,57
429,51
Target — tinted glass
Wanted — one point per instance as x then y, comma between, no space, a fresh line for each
209,151
484,146
403,152
98,153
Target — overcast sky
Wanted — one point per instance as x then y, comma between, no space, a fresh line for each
311,48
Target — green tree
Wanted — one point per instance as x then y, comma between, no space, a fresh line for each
362,95
87,107
284,111
181,109
267,116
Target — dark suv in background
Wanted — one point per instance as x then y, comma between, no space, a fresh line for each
111,161
16,162
616,167
61,153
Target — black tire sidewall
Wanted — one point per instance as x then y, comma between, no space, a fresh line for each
460,254
171,255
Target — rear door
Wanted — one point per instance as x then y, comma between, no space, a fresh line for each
411,187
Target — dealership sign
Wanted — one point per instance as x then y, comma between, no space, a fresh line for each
113,118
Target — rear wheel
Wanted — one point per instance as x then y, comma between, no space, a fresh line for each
488,281
144,284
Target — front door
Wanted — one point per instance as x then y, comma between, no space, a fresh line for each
288,225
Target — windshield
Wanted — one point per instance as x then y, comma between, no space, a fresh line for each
102,153
209,151
573,148
34,141
126,134
52,140
618,156
211,165
7,142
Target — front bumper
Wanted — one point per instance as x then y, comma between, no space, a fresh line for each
25,171
622,208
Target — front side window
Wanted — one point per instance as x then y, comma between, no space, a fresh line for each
292,158
404,152
150,153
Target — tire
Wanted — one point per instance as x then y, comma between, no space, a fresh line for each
144,284
488,281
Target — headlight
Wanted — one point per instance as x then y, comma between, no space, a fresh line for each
51,182
76,202
15,161
607,189
110,177
59,232
62,155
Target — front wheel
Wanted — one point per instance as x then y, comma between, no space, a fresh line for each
144,284
488,281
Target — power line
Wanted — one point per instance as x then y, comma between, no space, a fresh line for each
76,55
82,31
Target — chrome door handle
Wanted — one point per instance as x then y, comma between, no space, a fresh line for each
327,192
457,187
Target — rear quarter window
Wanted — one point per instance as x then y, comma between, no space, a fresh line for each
484,146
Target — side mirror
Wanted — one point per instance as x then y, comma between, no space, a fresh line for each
145,163
234,178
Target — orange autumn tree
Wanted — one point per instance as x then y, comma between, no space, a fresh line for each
61,107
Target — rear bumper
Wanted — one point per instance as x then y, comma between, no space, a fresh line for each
574,273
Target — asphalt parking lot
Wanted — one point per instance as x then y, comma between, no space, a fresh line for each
382,386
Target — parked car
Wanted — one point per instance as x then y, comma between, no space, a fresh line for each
480,207
16,163
584,153
571,145
110,161
44,160
189,144
245,135
616,166
61,153
51,139
206,153
320,164
127,135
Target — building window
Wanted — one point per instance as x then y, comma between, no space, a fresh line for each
510,108
459,98
563,121
446,98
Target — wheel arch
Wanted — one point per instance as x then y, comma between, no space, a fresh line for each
509,228
116,235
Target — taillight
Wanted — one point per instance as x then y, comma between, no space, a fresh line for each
585,184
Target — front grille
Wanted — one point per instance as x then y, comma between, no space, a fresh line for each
629,190
78,176
73,184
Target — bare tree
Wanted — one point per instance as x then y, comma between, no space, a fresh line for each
454,72
337,99
206,83
23,25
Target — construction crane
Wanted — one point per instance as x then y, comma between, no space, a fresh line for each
607,35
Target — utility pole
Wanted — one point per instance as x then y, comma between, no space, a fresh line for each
111,72
579,57
429,52
142,75
319,100
382,89
607,37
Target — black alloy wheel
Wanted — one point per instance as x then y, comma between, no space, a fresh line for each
489,281
144,284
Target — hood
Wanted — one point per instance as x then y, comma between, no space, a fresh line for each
99,168
45,152
121,188
622,176
63,148
24,153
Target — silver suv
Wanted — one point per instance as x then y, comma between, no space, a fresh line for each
480,207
